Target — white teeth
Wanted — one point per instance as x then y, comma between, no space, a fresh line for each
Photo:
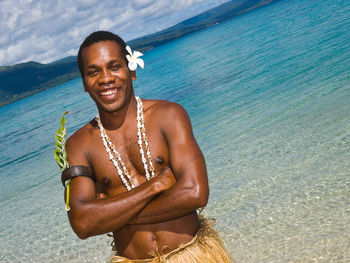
109,92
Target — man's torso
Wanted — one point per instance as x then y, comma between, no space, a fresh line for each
135,241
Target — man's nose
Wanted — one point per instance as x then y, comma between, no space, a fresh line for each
106,78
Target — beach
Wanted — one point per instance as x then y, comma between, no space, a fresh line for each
268,94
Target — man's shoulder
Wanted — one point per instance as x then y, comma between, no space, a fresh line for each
164,108
80,144
83,135
167,115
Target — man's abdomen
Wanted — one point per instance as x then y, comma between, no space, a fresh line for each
140,241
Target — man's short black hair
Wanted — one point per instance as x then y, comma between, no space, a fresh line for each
96,37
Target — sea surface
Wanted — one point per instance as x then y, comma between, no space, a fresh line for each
268,94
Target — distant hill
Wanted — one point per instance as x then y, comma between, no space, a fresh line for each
22,80
206,19
25,79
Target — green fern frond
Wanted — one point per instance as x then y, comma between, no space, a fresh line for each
61,154
60,144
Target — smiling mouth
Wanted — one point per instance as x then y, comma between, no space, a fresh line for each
109,92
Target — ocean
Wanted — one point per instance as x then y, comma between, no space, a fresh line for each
268,94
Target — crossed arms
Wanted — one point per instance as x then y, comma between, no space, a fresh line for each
162,198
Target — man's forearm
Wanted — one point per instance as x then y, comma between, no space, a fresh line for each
106,215
177,201
98,216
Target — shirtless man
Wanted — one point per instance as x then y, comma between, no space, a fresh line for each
157,214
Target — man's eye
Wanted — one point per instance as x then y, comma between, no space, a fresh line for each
92,72
115,67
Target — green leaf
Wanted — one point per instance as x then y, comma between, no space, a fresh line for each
60,142
61,155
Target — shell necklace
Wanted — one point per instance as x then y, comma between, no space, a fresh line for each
115,157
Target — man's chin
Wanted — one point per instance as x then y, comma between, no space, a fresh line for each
111,104
111,107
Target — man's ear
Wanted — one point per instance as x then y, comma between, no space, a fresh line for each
133,75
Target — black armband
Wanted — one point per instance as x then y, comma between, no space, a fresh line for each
75,171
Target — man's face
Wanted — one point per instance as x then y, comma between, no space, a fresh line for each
107,76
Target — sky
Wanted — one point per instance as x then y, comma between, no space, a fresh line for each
47,30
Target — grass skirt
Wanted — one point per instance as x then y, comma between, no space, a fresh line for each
206,246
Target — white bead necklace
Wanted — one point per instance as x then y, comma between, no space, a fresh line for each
142,139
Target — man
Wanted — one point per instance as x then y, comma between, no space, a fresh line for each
143,174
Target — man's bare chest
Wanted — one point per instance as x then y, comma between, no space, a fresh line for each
125,142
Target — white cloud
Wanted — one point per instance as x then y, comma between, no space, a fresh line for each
139,4
45,31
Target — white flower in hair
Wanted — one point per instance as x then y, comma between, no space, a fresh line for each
134,59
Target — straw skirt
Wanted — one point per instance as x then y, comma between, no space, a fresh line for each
206,246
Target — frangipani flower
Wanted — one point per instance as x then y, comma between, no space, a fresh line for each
134,59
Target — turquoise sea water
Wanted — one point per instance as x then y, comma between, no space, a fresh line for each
268,94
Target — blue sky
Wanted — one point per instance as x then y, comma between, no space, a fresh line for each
45,31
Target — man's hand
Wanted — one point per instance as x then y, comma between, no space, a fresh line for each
162,182
165,178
